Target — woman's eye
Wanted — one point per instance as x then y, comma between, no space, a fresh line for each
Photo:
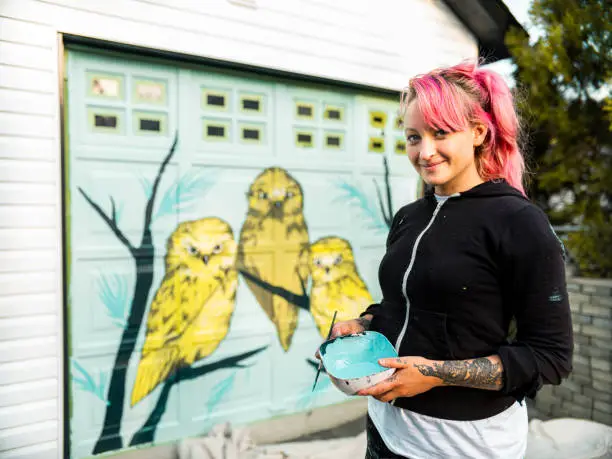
440,133
216,249
412,139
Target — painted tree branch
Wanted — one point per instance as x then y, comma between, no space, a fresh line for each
301,301
110,436
146,434
110,221
385,209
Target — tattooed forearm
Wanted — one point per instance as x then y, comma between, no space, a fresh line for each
482,373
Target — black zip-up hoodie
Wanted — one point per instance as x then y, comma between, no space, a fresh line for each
463,268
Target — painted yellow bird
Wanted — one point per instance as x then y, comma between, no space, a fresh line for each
191,311
336,283
272,237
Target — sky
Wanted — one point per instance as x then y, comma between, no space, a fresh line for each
519,9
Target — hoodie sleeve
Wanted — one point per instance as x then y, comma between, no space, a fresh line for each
397,219
534,273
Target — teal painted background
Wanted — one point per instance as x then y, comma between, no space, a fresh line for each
151,147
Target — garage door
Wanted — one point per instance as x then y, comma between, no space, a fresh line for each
215,222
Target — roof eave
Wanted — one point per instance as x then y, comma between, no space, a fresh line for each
489,21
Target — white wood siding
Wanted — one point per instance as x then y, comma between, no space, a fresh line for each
379,43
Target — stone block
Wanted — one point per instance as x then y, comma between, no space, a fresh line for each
601,364
603,301
583,380
582,319
605,312
583,400
574,287
603,386
602,406
596,332
582,369
606,324
580,359
594,351
602,344
597,395
576,410
577,301
582,339
563,392
572,385
604,418
604,376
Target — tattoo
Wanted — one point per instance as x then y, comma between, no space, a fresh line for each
479,373
365,323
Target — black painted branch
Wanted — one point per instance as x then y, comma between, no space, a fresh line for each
388,188
381,204
110,437
162,167
146,434
301,301
111,222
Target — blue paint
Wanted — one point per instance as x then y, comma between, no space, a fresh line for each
356,356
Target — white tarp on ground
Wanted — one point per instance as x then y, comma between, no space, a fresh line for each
556,439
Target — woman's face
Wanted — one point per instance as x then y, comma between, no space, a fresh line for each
443,159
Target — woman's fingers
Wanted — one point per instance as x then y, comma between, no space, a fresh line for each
388,396
397,362
348,327
379,389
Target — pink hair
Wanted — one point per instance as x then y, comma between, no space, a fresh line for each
457,97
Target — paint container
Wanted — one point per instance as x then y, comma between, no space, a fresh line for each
351,361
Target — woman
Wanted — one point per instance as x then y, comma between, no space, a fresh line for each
460,264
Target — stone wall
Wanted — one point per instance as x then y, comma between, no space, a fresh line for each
587,393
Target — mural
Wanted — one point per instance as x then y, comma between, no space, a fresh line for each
199,292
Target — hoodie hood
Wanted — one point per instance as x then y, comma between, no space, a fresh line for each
492,188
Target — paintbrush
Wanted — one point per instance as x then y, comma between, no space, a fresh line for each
321,361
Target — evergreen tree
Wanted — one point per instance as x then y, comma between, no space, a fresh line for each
564,78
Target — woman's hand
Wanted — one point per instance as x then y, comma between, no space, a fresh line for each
349,327
407,381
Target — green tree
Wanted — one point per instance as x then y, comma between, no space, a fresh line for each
564,77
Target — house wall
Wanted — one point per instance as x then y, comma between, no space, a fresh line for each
354,41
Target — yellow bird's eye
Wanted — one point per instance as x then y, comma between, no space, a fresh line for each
192,250
217,249
317,262
262,195
338,260
290,194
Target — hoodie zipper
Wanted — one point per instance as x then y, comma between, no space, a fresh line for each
407,273
409,269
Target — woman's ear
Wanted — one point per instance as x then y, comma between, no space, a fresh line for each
479,133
